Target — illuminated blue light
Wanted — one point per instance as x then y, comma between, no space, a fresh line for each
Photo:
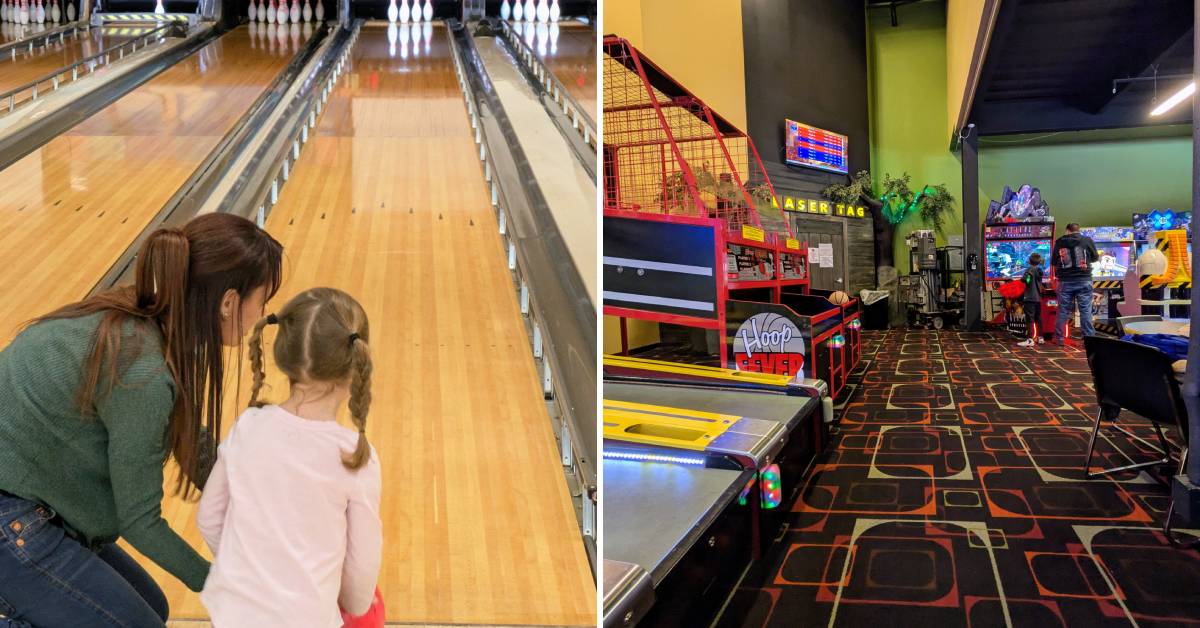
648,457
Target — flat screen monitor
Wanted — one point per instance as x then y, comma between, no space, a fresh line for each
1008,259
1113,262
814,148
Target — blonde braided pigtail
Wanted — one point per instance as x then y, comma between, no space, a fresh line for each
360,402
256,359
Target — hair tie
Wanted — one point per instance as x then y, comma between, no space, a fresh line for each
353,337
272,319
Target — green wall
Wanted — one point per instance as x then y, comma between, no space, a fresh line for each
1092,182
1084,179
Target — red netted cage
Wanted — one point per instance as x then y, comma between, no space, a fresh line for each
666,152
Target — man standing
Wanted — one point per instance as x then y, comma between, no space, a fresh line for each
1072,259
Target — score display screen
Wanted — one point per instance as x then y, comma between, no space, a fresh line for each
815,148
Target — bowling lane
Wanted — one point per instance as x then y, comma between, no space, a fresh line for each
10,32
569,51
25,68
388,203
69,209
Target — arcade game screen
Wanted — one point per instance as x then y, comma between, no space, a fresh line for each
1113,262
1008,259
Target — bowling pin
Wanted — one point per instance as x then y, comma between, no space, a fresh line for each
518,11
252,12
158,8
271,12
262,12
319,12
404,11
307,12
530,11
392,11
294,14
505,11
555,12
70,11
24,12
543,11
41,12
3,10
428,12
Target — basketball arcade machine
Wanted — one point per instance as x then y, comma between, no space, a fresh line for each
693,234
1018,225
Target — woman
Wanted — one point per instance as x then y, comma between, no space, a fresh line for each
93,398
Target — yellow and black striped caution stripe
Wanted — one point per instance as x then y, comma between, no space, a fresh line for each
1107,285
144,17
1147,280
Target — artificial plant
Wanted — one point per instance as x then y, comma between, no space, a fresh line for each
892,206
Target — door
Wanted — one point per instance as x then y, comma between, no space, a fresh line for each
832,276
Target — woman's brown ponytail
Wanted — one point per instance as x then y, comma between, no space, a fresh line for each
360,402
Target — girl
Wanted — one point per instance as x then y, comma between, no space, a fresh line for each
291,511
93,398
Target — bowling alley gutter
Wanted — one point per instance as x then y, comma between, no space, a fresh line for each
26,124
560,316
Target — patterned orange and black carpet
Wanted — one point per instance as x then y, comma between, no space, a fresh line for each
952,494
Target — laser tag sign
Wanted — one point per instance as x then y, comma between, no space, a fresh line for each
768,343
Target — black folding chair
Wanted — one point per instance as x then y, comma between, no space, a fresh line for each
1138,378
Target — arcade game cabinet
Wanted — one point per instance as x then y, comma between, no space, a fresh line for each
1016,226
1117,257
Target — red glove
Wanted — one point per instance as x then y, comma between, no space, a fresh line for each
373,618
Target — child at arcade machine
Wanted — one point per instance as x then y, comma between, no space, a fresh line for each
1032,300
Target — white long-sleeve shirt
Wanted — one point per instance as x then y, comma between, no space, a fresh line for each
293,532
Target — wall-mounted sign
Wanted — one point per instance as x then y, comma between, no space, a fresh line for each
818,206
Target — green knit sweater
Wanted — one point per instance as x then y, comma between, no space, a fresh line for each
103,474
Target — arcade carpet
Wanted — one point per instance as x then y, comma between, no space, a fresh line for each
952,495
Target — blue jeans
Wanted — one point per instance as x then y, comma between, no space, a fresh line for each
49,579
1070,293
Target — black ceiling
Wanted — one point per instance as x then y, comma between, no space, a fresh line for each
1051,65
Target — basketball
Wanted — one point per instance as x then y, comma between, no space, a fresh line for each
839,298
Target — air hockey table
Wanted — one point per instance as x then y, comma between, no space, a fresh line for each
691,529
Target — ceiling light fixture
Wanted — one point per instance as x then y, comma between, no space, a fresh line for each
1175,99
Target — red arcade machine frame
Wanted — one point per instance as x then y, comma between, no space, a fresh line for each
694,234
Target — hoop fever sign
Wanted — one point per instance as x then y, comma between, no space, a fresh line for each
768,343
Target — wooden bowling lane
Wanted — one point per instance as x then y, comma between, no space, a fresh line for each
10,32
18,71
388,203
570,54
69,209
